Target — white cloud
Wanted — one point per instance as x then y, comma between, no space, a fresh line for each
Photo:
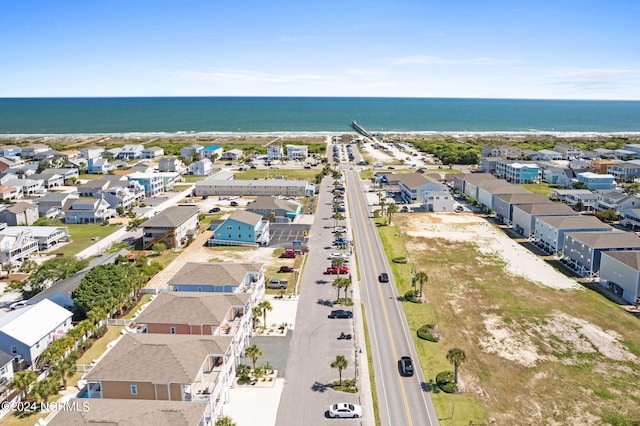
248,76
436,60
599,74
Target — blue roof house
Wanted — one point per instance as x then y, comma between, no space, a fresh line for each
212,152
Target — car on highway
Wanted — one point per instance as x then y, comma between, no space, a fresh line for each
285,269
214,210
341,313
406,366
345,410
383,277
333,270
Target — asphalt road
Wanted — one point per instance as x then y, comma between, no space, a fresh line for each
314,345
401,400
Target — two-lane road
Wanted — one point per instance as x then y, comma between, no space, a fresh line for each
401,400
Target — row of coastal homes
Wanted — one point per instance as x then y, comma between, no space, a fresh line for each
580,241
182,351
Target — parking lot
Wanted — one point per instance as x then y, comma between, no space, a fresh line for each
283,235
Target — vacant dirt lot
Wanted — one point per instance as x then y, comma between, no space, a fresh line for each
540,348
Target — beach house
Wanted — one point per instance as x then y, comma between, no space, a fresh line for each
241,228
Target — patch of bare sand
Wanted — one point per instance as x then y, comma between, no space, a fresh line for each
515,342
489,240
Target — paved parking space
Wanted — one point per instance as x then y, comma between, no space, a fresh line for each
285,234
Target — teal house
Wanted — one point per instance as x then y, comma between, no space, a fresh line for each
241,228
594,181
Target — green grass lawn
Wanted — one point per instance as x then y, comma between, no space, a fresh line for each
292,174
81,237
100,345
540,188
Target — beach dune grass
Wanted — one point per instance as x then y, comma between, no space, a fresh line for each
565,384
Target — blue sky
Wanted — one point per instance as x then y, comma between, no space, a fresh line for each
560,49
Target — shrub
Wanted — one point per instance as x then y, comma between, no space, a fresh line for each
425,333
411,296
445,382
399,260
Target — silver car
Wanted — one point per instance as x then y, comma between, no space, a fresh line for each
344,409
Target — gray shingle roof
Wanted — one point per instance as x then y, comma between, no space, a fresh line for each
130,412
246,217
542,209
172,358
172,217
574,222
630,258
191,308
607,239
267,202
214,273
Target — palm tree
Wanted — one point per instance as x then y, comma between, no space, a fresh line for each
391,210
22,380
337,284
256,311
265,306
43,389
346,284
422,278
64,369
253,352
456,357
340,363
225,421
381,200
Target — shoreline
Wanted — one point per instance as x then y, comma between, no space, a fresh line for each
432,134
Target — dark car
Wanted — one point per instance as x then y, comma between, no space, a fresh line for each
285,269
214,210
234,204
341,313
383,277
288,254
406,366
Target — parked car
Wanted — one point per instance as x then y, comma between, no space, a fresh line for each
341,313
383,277
406,366
234,204
332,270
285,269
338,256
275,283
288,254
214,210
340,230
344,409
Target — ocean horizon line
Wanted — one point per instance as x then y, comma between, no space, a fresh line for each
318,97
191,134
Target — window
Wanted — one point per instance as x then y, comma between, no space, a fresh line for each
229,227
172,330
199,289
14,350
134,389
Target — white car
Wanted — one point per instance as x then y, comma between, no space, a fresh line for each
338,256
344,409
340,230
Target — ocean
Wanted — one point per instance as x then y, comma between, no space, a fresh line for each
64,116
